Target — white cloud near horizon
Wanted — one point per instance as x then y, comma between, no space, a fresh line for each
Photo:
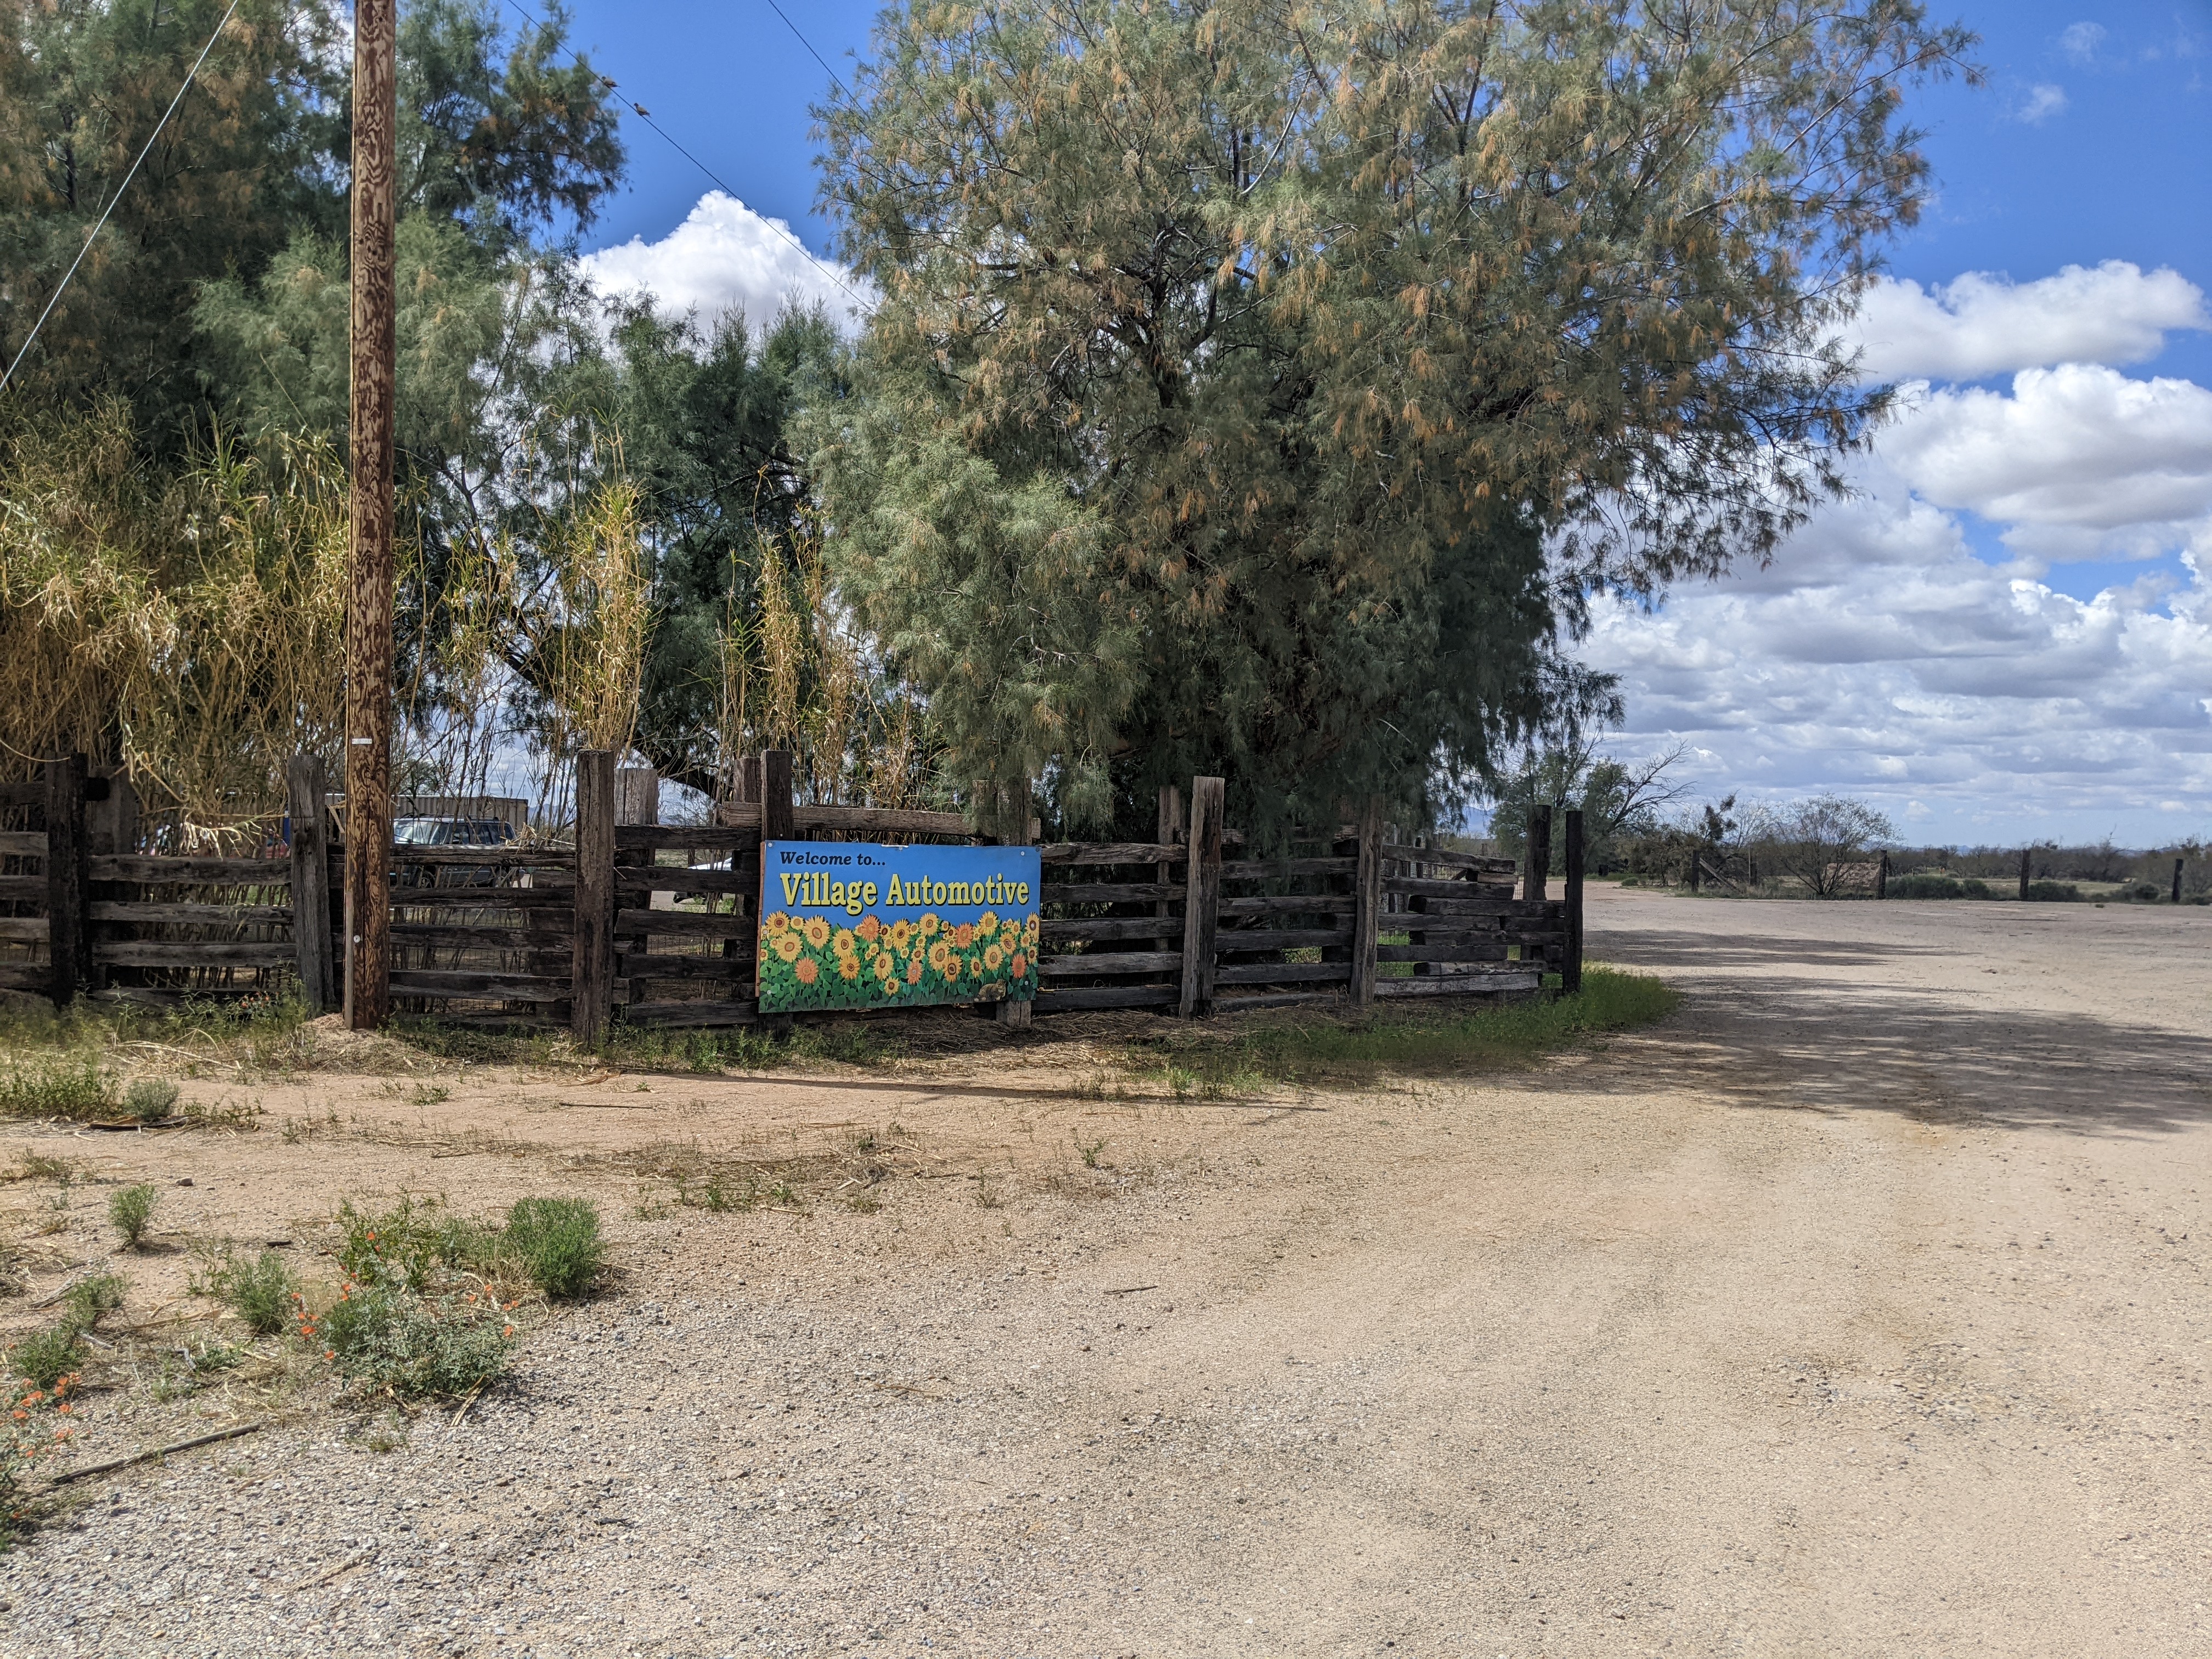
724,257
1879,655
1982,323
2079,461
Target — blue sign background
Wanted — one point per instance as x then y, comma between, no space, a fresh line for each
861,925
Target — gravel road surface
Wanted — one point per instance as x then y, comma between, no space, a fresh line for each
1861,1309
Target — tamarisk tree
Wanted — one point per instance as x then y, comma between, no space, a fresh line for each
1266,384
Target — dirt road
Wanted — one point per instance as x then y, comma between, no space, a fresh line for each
1859,1310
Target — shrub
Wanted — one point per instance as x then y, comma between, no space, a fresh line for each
556,1241
387,1336
150,1099
26,1434
411,1240
2053,892
259,1292
44,1357
60,1087
84,1301
1938,887
130,1209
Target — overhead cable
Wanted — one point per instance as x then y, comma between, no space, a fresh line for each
188,76
642,114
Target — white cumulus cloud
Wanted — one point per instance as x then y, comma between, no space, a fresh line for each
2080,41
1982,323
2077,460
2043,101
724,257
1881,656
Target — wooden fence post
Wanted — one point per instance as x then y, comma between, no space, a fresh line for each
311,882
1201,895
637,795
1367,903
777,823
1170,825
68,953
2023,874
1571,970
2177,880
1015,1016
1537,855
592,989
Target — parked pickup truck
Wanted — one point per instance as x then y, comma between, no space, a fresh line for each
448,832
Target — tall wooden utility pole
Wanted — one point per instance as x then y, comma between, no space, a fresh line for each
369,575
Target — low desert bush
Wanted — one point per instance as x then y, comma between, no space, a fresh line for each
57,1086
259,1291
36,1425
131,1210
413,1240
44,1357
395,1341
150,1099
1938,887
2053,892
556,1241
84,1301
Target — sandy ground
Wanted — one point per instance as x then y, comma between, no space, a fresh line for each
1859,1308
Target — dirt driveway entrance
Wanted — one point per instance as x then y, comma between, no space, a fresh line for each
1859,1310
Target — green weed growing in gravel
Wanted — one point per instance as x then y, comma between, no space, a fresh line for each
44,1357
397,1342
412,1240
131,1210
258,1291
84,1301
60,1086
37,1425
556,1241
150,1099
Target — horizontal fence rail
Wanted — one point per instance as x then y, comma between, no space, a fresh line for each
658,925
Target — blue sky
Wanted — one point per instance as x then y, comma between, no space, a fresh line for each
2007,633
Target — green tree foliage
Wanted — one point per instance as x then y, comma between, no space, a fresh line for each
83,85
1238,363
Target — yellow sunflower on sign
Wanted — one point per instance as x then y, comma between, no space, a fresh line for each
988,926
992,955
817,932
930,925
777,923
843,942
886,969
902,932
939,954
848,967
787,947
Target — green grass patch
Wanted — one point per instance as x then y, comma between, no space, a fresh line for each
131,1210
259,1289
44,1357
556,1241
1412,1042
68,1085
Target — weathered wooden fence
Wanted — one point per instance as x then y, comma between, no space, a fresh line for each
653,924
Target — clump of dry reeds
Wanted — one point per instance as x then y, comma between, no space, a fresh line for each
798,674
184,625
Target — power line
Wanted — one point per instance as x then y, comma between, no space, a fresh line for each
189,76
639,109
809,44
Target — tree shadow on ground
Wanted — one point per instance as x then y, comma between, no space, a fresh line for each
1817,1043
